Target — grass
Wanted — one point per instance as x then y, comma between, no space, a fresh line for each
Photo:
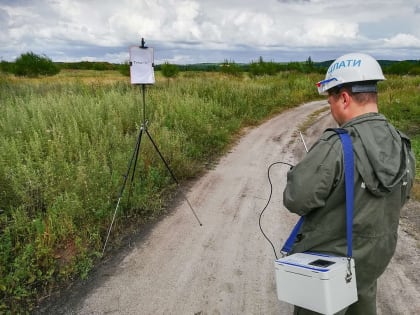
66,141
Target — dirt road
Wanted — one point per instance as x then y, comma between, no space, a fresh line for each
226,266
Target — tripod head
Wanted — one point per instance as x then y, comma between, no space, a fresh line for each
142,43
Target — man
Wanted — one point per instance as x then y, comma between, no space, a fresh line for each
384,172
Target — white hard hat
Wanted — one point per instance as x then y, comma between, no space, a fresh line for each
354,67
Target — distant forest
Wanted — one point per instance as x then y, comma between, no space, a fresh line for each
406,67
388,66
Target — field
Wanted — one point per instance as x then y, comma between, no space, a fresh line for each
66,142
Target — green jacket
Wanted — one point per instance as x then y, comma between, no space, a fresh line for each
384,173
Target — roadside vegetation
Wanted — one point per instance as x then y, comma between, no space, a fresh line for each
66,141
31,65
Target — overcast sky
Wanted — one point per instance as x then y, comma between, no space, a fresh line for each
195,31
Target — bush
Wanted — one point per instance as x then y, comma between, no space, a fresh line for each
263,68
124,69
231,68
6,66
403,68
169,70
33,65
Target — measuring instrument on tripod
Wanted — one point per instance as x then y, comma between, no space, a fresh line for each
142,73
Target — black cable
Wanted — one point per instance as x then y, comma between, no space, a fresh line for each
268,202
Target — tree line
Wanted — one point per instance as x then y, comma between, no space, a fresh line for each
32,65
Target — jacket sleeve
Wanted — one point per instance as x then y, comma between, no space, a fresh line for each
311,181
410,173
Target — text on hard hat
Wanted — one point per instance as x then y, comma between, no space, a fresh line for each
345,64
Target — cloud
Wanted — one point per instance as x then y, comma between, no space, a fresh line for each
206,29
403,41
4,24
294,1
322,33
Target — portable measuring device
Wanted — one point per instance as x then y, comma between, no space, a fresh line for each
316,282
323,283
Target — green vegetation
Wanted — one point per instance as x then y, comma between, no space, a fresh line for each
32,65
169,70
410,67
88,65
66,141
231,68
260,67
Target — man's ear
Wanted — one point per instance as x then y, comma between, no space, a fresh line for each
345,98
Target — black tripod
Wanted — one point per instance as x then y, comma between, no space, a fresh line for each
133,163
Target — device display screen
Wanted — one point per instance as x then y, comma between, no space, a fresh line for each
322,263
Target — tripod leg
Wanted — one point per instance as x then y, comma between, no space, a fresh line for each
172,175
130,163
135,158
161,157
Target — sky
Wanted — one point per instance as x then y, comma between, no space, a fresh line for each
201,31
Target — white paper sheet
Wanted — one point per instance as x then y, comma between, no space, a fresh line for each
141,65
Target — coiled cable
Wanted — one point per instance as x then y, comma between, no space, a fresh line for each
268,202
